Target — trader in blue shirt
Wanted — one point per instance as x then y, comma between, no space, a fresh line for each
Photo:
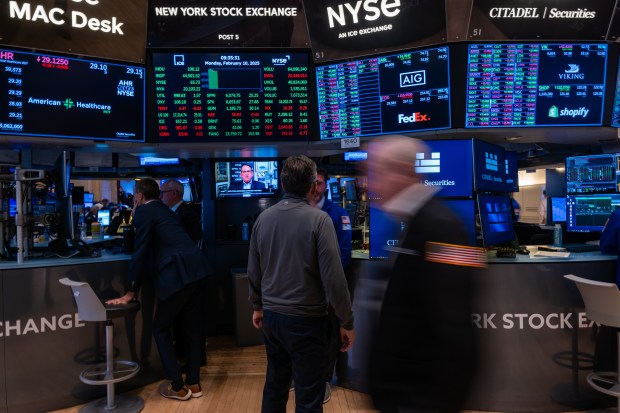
342,224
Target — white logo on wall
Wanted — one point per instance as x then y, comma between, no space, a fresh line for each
179,60
490,161
416,78
428,166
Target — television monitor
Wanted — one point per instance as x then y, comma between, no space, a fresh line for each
512,171
592,174
558,209
77,98
447,164
589,213
350,192
234,95
495,219
489,167
406,92
89,199
615,113
355,156
103,215
246,178
465,209
155,161
334,191
534,84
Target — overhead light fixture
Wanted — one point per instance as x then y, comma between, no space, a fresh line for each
512,138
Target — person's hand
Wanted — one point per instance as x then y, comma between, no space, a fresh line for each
122,300
257,319
347,337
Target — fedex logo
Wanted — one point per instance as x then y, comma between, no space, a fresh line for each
414,117
425,166
416,78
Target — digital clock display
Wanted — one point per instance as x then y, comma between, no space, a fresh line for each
56,96
201,97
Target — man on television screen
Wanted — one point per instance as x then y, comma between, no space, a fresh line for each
247,180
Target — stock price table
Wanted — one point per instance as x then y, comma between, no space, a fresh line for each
389,94
527,85
218,97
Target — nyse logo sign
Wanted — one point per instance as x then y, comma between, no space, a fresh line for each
426,166
372,11
416,78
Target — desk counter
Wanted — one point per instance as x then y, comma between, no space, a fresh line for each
536,345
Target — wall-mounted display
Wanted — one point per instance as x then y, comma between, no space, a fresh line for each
489,167
248,178
238,95
592,174
227,23
406,92
447,164
530,85
56,96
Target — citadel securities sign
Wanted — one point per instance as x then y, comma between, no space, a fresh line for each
114,29
540,19
345,28
209,23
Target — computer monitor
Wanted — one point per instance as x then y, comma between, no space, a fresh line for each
88,199
592,174
558,209
104,216
495,219
589,213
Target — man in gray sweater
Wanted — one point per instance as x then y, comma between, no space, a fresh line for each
294,271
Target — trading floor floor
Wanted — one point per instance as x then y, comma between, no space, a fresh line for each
232,382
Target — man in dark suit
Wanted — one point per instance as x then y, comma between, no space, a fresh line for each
171,194
180,271
247,180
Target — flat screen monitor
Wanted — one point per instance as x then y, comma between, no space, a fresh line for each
592,174
447,164
89,198
155,161
406,92
246,178
489,167
615,113
335,192
495,219
589,213
355,156
512,171
104,216
76,98
465,209
558,209
532,84
232,96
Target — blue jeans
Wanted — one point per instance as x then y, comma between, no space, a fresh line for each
296,348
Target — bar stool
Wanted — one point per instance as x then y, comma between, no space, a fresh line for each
602,303
90,308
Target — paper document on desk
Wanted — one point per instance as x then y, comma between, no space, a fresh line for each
551,254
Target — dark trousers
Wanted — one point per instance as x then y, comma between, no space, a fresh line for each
296,348
186,304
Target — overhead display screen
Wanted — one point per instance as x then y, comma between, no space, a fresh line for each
592,174
110,29
345,29
615,114
203,97
529,85
228,23
56,96
540,19
407,92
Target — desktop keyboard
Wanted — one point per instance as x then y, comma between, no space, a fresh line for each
582,248
506,252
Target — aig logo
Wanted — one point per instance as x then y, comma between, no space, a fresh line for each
416,78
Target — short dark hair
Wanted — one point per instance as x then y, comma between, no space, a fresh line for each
298,174
323,173
147,187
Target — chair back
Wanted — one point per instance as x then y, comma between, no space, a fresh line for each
90,307
601,299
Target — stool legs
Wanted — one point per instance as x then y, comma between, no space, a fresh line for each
109,361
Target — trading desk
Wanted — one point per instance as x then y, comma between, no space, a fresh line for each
43,344
536,345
